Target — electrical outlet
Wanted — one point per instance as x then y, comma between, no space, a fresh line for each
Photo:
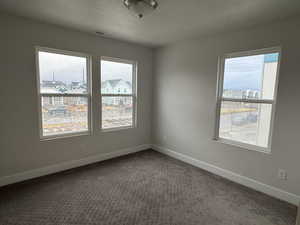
282,174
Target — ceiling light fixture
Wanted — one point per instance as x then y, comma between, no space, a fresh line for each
100,33
140,7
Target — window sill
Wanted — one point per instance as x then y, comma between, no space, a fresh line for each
63,136
243,145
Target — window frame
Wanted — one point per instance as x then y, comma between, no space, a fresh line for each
88,95
220,98
133,94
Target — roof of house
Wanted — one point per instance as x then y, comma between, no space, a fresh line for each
51,83
114,82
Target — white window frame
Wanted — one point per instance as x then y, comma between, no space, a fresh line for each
133,94
220,98
88,95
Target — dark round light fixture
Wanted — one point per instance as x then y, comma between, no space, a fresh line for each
100,33
140,7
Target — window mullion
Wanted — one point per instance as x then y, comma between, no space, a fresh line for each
116,95
63,95
248,100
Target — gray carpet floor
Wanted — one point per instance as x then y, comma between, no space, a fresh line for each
146,188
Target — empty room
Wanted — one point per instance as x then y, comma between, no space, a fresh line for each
149,112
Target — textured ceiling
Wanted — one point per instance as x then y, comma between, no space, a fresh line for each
173,20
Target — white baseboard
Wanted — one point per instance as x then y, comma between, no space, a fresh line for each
256,185
68,165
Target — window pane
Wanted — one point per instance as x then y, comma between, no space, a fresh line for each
250,77
117,112
62,115
245,122
62,73
116,77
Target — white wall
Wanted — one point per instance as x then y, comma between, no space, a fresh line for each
20,147
184,103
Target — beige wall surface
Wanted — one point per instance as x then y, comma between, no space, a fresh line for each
20,146
184,99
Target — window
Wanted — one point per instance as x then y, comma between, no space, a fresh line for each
118,94
64,92
246,98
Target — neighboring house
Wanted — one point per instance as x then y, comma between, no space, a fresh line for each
52,84
77,87
117,86
52,87
56,87
54,100
252,94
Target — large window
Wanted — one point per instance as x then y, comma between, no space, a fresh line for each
64,92
118,93
246,98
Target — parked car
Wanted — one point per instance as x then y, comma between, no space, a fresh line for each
252,118
60,110
242,119
238,119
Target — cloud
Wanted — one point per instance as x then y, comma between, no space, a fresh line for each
72,68
244,72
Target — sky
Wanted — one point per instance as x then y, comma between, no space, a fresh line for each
65,68
243,73
71,68
113,70
240,73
